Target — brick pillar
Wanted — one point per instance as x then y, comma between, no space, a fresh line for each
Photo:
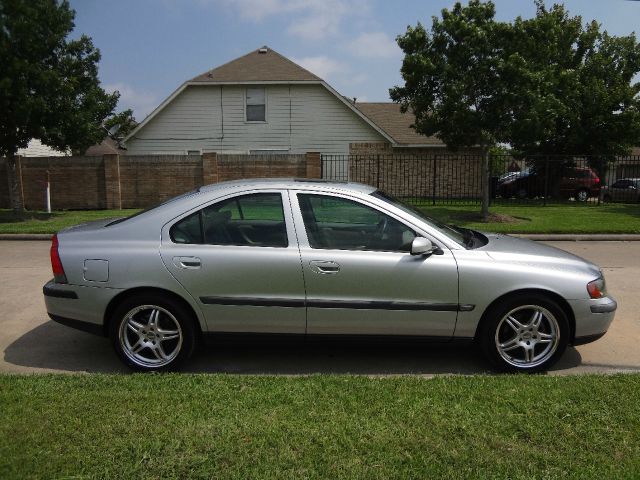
314,165
209,168
112,188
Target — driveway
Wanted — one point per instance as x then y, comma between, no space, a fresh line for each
30,342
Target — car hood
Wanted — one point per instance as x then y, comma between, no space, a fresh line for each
519,250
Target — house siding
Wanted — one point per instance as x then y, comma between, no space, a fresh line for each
300,118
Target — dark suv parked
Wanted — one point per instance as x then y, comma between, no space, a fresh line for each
575,182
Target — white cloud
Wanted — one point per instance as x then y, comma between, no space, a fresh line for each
322,66
374,45
307,19
142,103
359,78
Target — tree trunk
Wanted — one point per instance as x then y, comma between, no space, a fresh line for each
484,205
14,175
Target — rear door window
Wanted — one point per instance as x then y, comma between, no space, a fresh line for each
246,220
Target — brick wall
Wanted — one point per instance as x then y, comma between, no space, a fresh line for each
76,182
416,172
434,175
126,181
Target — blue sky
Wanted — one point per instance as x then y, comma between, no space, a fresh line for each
149,47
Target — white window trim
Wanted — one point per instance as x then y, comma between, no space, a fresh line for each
266,104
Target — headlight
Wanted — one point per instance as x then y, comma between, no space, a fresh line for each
596,288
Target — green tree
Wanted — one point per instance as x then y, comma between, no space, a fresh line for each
125,121
572,89
49,87
454,83
546,85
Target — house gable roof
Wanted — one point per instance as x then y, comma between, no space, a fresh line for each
397,124
261,68
261,65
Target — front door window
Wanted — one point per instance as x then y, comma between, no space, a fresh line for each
342,224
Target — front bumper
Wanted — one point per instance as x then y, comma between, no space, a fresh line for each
593,318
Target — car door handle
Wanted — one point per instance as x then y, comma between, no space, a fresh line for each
188,263
324,266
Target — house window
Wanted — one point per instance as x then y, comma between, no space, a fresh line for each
256,105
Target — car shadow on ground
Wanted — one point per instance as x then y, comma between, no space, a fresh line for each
57,348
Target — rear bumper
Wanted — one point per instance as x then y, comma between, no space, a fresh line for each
77,306
79,325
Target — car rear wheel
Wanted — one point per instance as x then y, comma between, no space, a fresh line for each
152,333
524,334
582,195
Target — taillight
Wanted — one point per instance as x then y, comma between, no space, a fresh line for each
56,264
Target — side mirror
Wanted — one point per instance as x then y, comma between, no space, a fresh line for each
423,246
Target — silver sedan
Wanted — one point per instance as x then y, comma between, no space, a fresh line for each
312,258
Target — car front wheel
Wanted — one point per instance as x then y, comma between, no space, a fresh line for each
524,334
152,333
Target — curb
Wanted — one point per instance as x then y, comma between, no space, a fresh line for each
544,237
25,236
587,237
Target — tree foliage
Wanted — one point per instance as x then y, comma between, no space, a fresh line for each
572,84
549,84
125,121
452,76
49,87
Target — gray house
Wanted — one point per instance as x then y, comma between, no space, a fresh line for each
263,102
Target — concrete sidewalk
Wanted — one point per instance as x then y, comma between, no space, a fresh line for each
30,342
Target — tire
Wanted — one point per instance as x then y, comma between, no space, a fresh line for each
152,333
511,341
582,195
522,193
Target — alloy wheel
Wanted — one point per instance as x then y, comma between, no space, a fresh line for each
150,336
527,336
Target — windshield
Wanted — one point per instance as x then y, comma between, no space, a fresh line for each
456,234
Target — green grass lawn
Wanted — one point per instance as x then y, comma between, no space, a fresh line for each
227,426
42,222
567,218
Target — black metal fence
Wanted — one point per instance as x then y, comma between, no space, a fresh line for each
457,178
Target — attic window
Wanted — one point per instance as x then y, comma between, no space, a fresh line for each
256,105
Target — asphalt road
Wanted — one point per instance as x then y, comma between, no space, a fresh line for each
30,342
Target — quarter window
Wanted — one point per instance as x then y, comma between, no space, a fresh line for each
341,224
256,105
248,220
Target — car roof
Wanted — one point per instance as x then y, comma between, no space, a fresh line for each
290,183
